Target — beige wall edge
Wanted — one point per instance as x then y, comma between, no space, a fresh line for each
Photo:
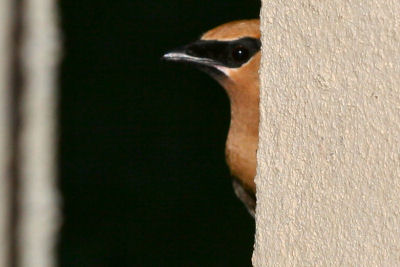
328,182
5,33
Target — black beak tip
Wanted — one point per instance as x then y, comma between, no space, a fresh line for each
177,55
164,57
174,56
167,56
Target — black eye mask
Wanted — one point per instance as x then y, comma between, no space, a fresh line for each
231,54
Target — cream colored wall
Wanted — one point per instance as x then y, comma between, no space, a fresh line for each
328,183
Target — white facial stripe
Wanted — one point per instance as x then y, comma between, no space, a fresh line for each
222,69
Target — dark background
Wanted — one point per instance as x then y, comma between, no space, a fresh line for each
142,168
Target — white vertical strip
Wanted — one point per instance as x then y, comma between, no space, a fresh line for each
328,179
39,200
5,36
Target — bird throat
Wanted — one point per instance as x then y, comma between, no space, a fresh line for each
242,141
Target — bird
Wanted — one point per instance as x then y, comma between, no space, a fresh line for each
230,54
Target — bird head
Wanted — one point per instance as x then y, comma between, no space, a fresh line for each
229,53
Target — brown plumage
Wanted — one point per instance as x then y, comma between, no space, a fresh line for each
230,53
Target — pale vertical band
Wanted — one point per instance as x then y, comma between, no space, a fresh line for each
38,220
5,36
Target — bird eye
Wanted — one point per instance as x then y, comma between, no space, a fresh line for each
240,53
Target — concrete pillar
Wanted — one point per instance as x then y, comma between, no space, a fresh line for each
328,182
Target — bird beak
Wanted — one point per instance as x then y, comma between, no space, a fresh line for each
197,54
192,53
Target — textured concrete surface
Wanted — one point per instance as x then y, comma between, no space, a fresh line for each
328,182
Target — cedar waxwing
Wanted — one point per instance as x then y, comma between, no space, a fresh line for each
230,53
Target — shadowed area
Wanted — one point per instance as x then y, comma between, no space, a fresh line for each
142,168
